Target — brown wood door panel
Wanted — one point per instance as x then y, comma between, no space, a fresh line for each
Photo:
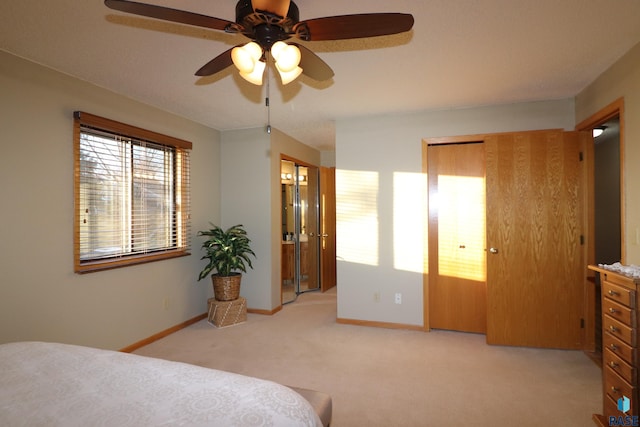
309,252
328,275
535,221
457,286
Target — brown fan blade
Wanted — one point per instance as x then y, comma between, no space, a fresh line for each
277,7
312,66
168,14
216,65
358,26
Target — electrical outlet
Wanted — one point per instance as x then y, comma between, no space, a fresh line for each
165,303
376,297
398,298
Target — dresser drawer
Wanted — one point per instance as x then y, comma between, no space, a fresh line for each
619,293
616,387
619,347
619,329
611,410
619,312
622,368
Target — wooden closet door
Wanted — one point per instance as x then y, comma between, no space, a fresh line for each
535,261
457,287
328,276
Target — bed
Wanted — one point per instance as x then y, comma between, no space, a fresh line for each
51,384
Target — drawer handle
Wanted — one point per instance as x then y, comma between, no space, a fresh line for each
613,347
615,389
614,293
613,328
613,310
614,365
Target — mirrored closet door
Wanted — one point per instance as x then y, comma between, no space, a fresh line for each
300,229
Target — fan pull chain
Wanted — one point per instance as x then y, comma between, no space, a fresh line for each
266,101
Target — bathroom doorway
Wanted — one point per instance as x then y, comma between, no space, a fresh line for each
605,237
300,270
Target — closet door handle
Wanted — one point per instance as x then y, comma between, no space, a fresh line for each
493,250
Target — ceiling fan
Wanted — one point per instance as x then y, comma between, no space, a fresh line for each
268,23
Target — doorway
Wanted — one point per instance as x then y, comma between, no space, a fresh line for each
300,269
607,213
605,237
606,192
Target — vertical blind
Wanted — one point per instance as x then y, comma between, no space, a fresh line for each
132,196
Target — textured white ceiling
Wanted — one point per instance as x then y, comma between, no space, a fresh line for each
460,53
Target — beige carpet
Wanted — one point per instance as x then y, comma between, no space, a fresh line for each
383,377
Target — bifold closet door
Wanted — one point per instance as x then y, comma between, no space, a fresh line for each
457,286
310,230
328,277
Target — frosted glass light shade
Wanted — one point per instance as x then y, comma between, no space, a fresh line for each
246,57
276,49
287,56
247,60
289,76
254,76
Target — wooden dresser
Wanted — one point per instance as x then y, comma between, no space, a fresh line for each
620,304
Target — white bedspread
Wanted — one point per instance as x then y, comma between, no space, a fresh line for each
46,384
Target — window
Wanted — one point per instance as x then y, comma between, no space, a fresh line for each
132,202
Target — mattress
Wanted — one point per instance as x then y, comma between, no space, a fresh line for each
52,384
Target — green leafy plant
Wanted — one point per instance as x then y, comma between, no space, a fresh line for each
227,250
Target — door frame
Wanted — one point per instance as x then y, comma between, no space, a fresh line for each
321,287
616,108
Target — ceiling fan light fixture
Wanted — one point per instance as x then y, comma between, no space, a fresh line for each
255,76
276,49
287,59
269,21
289,76
287,56
246,57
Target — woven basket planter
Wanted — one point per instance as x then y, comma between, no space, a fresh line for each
227,313
226,288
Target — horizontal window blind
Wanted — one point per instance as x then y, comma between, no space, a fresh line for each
132,195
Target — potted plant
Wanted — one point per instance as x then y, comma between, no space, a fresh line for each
228,254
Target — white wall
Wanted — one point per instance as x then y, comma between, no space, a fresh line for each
251,196
386,255
245,199
622,80
328,159
41,298
283,145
